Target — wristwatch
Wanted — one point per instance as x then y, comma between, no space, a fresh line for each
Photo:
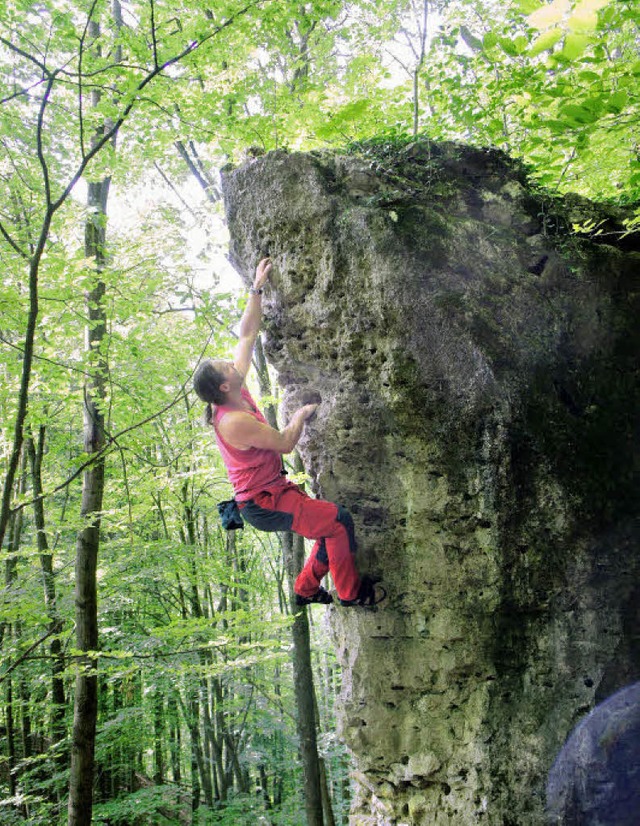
255,289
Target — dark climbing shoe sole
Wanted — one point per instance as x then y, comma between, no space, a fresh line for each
367,598
322,596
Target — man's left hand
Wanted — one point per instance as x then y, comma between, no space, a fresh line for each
262,273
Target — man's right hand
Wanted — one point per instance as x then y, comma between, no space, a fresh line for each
308,410
262,273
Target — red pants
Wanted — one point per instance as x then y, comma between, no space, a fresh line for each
291,509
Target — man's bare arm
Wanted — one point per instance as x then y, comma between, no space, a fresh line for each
250,321
244,429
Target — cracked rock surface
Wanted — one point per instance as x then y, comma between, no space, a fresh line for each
477,365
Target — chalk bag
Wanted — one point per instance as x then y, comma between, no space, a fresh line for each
230,514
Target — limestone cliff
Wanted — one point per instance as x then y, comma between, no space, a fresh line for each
478,368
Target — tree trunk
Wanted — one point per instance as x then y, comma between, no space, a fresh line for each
11,737
293,550
327,806
197,694
175,743
48,582
264,786
86,613
158,733
422,40
25,719
13,630
196,754
220,727
86,694
15,532
303,685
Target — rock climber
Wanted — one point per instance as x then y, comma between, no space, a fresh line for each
252,453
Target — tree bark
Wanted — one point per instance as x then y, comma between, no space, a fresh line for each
14,631
86,694
422,40
303,686
48,581
86,602
175,737
327,806
158,733
197,693
293,550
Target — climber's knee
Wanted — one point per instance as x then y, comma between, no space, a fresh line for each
343,516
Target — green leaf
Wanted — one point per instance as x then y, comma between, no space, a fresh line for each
585,15
585,22
495,127
558,91
508,46
583,140
557,127
521,43
545,41
574,45
528,6
589,76
489,40
577,115
617,101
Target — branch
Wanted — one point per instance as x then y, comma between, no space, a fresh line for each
113,440
408,38
10,240
80,56
175,310
106,137
153,34
174,114
70,367
95,456
206,186
205,173
20,206
26,55
21,91
24,656
179,197
41,157
17,171
51,209
397,59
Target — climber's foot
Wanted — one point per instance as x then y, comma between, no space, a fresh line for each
321,595
369,595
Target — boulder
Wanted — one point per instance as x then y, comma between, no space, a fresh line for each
596,777
477,363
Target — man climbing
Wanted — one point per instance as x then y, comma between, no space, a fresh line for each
252,453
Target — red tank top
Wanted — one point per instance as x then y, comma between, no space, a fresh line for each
252,469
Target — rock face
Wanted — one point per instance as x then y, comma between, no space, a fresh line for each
478,369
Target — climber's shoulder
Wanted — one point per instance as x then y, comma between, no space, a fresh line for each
235,426
244,431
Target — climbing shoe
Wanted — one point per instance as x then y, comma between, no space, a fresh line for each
321,595
368,594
